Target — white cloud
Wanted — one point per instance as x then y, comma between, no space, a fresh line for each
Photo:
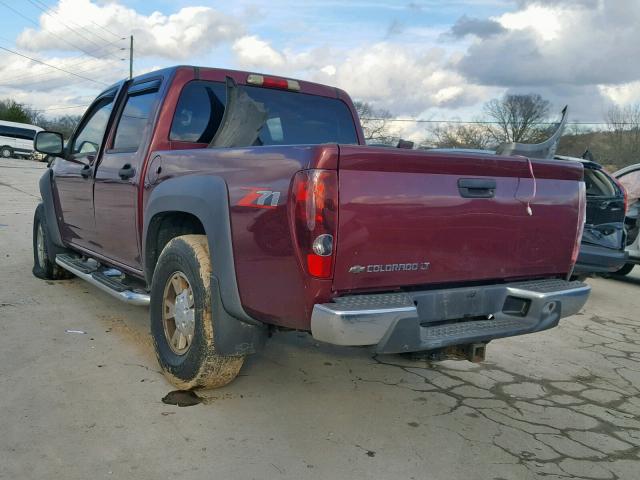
384,74
178,36
543,20
563,43
622,94
252,52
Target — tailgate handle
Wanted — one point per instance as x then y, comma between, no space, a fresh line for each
477,187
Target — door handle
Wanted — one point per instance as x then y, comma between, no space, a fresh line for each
126,172
86,171
477,187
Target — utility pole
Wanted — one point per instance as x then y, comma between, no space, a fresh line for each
130,57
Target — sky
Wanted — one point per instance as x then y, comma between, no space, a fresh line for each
425,59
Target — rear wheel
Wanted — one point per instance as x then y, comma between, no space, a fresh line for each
625,270
182,323
43,267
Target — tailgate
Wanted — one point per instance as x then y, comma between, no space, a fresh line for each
414,218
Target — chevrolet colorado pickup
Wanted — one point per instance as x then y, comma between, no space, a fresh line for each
234,204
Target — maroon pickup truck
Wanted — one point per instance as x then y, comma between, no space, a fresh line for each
234,204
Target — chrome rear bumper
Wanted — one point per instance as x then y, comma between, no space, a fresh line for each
430,319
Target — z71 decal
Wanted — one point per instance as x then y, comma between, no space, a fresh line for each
260,198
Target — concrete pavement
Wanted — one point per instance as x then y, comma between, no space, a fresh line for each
555,405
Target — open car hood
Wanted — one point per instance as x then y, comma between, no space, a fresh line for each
546,149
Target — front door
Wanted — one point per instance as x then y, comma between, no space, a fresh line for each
118,176
73,175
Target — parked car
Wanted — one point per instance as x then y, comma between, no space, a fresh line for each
629,177
603,241
16,139
235,204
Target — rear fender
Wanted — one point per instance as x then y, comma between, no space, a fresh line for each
206,197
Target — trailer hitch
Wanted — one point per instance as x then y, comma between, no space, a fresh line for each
473,352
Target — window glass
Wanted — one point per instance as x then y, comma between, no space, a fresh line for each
134,120
90,136
631,182
292,118
599,184
14,132
199,112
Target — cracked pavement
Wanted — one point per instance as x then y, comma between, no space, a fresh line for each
560,404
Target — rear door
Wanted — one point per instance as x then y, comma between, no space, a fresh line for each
118,175
604,226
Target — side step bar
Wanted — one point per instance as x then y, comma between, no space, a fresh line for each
109,285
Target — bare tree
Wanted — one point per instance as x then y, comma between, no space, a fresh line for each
64,124
460,136
375,123
623,124
517,118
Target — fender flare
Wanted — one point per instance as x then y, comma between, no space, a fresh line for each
207,198
53,228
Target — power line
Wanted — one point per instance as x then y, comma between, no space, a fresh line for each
48,13
17,12
87,70
105,29
62,108
53,66
475,122
90,21
6,81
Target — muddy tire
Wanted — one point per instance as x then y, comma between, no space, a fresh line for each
182,324
43,267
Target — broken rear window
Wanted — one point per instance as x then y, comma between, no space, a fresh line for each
292,118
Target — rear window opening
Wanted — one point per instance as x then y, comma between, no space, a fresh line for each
293,118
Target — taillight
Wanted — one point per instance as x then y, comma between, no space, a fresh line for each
582,218
315,216
273,82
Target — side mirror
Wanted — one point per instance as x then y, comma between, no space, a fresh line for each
50,143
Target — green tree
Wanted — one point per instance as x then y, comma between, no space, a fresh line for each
13,111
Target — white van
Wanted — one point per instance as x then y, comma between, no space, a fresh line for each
16,139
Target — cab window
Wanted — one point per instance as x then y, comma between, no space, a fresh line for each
90,135
134,120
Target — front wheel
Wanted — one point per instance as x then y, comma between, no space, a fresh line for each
43,267
182,323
